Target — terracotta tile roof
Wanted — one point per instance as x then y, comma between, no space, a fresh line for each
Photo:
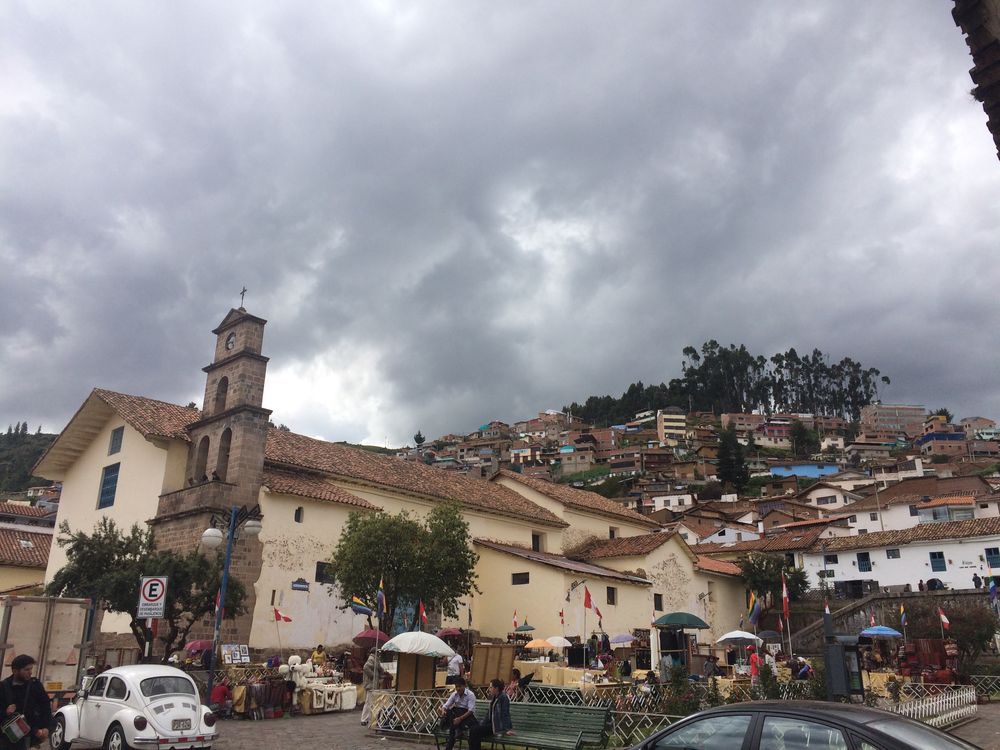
303,484
287,449
589,502
939,502
559,561
149,416
24,549
869,503
812,522
626,546
787,542
711,565
16,509
925,532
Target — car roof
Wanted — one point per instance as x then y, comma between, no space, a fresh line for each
832,711
142,671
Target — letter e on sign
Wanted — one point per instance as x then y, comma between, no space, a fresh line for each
152,597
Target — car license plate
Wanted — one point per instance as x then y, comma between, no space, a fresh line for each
179,724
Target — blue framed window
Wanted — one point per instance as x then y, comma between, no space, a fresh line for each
864,562
109,485
938,564
115,445
993,557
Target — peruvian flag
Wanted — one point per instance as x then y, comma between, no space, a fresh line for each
597,611
588,603
784,595
871,619
945,623
826,606
217,595
562,618
781,628
423,613
278,617
515,619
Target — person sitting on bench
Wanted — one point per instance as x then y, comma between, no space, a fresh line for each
459,711
498,721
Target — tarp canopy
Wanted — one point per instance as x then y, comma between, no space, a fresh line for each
415,642
558,641
680,620
739,638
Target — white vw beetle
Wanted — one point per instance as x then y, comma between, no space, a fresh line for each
139,706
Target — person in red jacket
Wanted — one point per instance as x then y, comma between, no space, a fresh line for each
221,699
754,666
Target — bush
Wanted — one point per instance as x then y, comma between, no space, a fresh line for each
713,697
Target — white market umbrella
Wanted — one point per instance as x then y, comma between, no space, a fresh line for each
558,641
739,638
415,642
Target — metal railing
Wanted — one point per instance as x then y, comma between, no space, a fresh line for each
986,684
940,710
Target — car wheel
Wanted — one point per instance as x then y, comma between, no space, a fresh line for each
116,739
57,737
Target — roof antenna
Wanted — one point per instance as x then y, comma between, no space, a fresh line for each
243,292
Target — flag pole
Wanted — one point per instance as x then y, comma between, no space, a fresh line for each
281,655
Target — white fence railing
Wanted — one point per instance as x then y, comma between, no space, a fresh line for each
941,710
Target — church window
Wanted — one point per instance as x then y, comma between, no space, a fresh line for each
115,445
298,515
222,465
109,485
612,595
658,602
201,460
221,392
518,579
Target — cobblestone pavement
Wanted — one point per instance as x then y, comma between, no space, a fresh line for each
334,731
984,731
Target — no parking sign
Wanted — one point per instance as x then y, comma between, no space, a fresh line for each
152,597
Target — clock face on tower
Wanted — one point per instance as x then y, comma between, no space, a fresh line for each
231,342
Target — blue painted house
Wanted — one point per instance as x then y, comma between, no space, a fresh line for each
806,469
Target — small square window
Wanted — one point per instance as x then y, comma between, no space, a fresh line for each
873,516
852,519
612,595
830,559
518,579
658,602
914,511
324,573
892,554
115,445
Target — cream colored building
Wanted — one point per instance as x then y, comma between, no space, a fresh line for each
130,457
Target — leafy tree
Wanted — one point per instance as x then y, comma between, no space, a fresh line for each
762,575
732,468
107,565
431,561
18,456
419,438
805,442
943,412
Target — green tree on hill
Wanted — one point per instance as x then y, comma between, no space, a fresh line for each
732,467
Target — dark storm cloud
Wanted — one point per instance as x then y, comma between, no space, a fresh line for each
459,212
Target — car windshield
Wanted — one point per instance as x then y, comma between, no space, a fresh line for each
153,686
919,735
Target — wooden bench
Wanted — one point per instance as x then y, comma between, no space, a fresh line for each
544,727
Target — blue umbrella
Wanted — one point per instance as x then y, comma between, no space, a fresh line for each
881,631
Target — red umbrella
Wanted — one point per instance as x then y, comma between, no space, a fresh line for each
368,638
193,647
450,633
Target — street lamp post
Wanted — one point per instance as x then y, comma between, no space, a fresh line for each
212,538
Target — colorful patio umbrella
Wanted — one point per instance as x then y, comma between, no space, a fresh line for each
880,631
193,647
538,643
526,628
769,635
450,633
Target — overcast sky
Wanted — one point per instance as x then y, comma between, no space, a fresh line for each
453,212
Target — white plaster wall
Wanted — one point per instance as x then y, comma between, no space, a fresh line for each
912,565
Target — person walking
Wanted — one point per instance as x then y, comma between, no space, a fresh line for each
755,662
456,667
460,711
498,721
369,678
23,694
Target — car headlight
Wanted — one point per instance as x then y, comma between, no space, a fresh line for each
140,723
210,719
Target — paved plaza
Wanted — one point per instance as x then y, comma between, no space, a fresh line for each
343,731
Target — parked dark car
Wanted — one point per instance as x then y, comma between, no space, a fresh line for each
800,725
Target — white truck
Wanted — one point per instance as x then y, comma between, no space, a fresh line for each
49,628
